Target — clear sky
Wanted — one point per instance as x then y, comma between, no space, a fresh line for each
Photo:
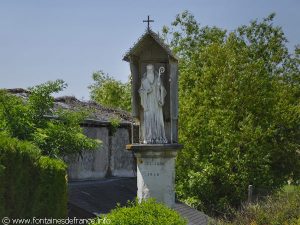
43,40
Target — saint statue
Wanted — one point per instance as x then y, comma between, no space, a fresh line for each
152,93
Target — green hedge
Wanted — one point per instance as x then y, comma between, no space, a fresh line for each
147,213
30,184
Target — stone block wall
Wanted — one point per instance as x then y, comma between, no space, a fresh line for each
111,159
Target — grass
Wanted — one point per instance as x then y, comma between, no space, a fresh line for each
281,208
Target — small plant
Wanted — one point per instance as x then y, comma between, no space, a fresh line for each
114,124
146,213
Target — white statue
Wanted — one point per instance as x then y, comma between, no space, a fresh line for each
152,93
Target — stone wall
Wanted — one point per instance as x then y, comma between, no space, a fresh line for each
111,159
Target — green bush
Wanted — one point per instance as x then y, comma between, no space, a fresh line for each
30,184
280,208
146,213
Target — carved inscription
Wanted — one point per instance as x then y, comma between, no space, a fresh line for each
153,167
152,174
153,163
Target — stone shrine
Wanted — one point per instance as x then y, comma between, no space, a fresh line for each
154,70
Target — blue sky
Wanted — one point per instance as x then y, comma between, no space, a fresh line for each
43,40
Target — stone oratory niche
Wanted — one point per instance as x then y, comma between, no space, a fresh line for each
155,107
154,70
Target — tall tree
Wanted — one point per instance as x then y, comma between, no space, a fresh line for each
110,92
239,111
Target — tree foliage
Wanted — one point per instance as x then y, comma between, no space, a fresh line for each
55,133
110,92
239,111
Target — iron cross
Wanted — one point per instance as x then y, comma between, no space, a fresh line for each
148,21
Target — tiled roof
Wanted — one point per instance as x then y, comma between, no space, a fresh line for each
98,113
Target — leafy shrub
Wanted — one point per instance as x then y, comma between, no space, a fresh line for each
30,184
147,212
281,208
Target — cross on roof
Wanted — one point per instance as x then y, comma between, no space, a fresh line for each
148,21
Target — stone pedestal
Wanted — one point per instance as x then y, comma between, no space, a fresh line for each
156,171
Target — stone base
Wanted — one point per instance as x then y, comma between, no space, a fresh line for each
156,171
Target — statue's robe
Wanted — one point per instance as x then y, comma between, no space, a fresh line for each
152,100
